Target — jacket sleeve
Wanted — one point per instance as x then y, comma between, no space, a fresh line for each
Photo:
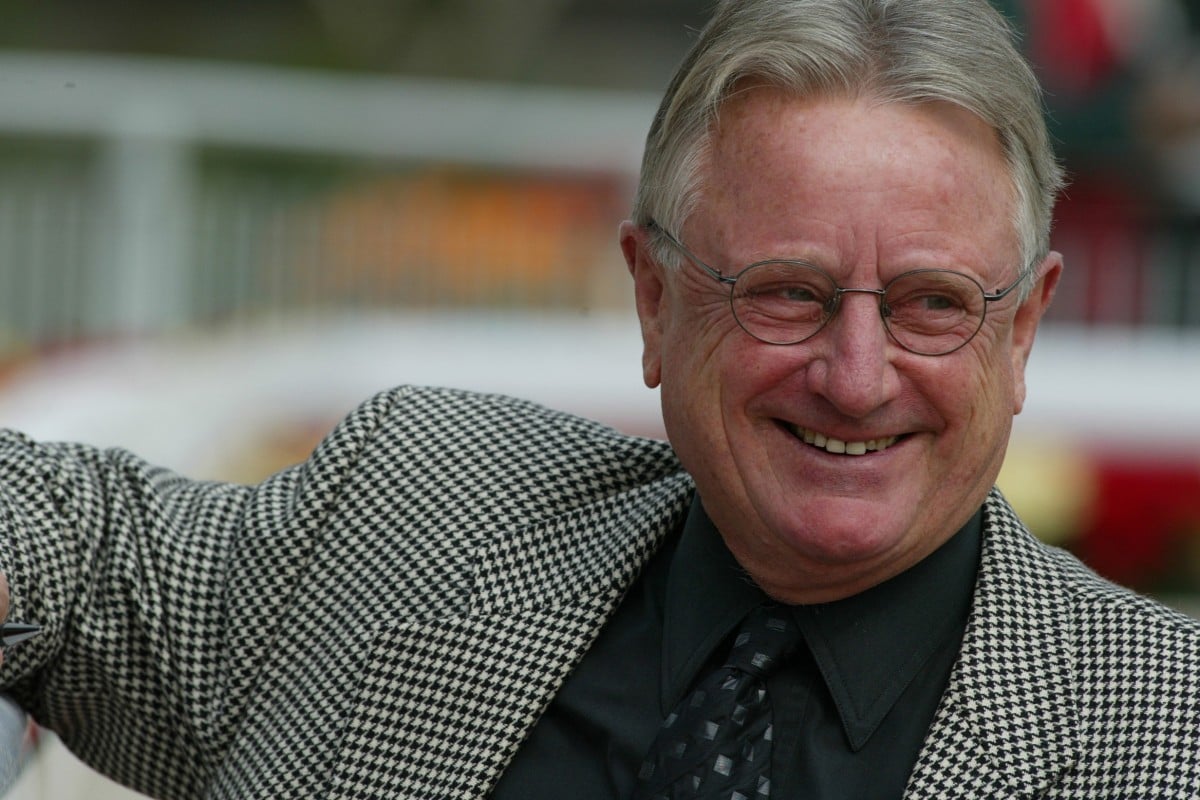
157,595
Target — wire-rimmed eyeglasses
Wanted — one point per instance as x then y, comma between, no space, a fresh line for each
930,312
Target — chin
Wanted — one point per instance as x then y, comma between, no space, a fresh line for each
842,538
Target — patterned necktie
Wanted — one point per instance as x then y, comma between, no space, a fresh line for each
717,742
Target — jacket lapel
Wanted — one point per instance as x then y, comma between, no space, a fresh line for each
1007,723
449,701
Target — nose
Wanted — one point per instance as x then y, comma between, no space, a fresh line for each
852,366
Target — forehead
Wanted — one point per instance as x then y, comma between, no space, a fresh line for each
774,156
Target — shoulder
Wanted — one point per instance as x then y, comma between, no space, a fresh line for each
1121,632
1129,665
1137,680
1131,652
449,441
496,428
1115,623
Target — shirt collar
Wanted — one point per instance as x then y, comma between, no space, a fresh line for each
708,594
868,647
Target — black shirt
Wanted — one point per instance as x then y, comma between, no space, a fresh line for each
851,709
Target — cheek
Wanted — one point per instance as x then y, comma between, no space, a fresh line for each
978,399
749,377
712,381
691,382
700,342
999,363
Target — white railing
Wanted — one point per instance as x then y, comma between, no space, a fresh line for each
113,221
140,195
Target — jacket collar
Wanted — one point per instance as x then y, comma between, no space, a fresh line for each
1007,724
472,684
476,682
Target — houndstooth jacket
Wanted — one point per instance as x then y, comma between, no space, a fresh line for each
390,618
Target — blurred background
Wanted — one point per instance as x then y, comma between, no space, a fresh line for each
223,225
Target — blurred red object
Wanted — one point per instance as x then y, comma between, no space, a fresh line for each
1073,43
1143,527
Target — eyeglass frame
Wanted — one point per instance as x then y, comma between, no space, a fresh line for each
838,291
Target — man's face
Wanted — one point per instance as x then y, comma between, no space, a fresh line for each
865,191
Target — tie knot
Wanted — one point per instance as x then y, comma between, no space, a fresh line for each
766,637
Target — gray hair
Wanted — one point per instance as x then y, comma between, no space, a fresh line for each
903,51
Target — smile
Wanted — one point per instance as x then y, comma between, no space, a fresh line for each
832,445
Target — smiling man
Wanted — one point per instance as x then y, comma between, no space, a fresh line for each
840,255
842,190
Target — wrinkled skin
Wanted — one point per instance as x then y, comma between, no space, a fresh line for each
865,191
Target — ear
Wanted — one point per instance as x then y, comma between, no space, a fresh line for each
648,290
1025,325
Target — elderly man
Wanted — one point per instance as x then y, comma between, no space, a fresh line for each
840,258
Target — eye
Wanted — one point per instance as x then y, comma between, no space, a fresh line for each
785,282
785,297
796,293
932,293
938,302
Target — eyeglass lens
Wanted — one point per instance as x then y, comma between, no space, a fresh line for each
931,312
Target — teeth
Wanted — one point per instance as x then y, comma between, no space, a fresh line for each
832,445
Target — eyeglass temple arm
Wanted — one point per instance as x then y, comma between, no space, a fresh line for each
713,272
1003,293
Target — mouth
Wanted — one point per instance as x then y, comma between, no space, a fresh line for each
840,446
